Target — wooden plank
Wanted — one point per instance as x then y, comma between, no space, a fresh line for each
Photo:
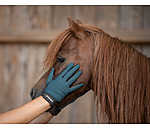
6,17
85,13
146,50
94,118
30,71
107,17
18,17
34,66
21,76
83,108
130,17
6,77
28,35
17,57
146,17
1,60
1,78
60,14
1,16
143,48
47,36
16,73
39,17
23,58
9,75
14,76
139,47
133,36
26,17
78,112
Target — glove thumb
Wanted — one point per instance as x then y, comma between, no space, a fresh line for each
49,79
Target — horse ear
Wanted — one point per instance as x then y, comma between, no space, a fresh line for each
78,21
78,31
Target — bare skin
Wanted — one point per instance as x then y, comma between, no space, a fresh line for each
44,118
28,112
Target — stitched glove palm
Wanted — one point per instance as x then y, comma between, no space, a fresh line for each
59,87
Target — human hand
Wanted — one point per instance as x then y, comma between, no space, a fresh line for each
60,86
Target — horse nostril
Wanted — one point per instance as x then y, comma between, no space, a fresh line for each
32,93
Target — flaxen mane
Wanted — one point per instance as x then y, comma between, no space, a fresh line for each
121,76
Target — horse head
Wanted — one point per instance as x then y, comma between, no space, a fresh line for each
72,45
117,72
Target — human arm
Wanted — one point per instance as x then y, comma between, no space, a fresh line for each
57,89
25,113
42,119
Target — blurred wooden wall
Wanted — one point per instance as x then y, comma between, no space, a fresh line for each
26,31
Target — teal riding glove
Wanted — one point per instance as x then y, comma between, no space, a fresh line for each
59,87
55,110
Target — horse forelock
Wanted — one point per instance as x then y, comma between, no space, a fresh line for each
59,41
54,47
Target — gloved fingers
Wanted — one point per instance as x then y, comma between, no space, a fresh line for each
50,76
73,88
74,78
64,72
71,72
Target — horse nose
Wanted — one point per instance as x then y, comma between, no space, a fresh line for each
32,93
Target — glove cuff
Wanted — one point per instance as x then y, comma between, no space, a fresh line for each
53,110
49,99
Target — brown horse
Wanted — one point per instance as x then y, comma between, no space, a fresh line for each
117,73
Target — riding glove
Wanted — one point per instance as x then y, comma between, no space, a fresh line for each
59,87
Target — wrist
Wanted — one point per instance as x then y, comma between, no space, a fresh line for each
49,99
54,110
46,104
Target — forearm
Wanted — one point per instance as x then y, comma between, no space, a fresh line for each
42,119
25,113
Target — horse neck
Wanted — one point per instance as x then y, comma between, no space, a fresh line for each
116,96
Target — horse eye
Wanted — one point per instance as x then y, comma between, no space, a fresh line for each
61,59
